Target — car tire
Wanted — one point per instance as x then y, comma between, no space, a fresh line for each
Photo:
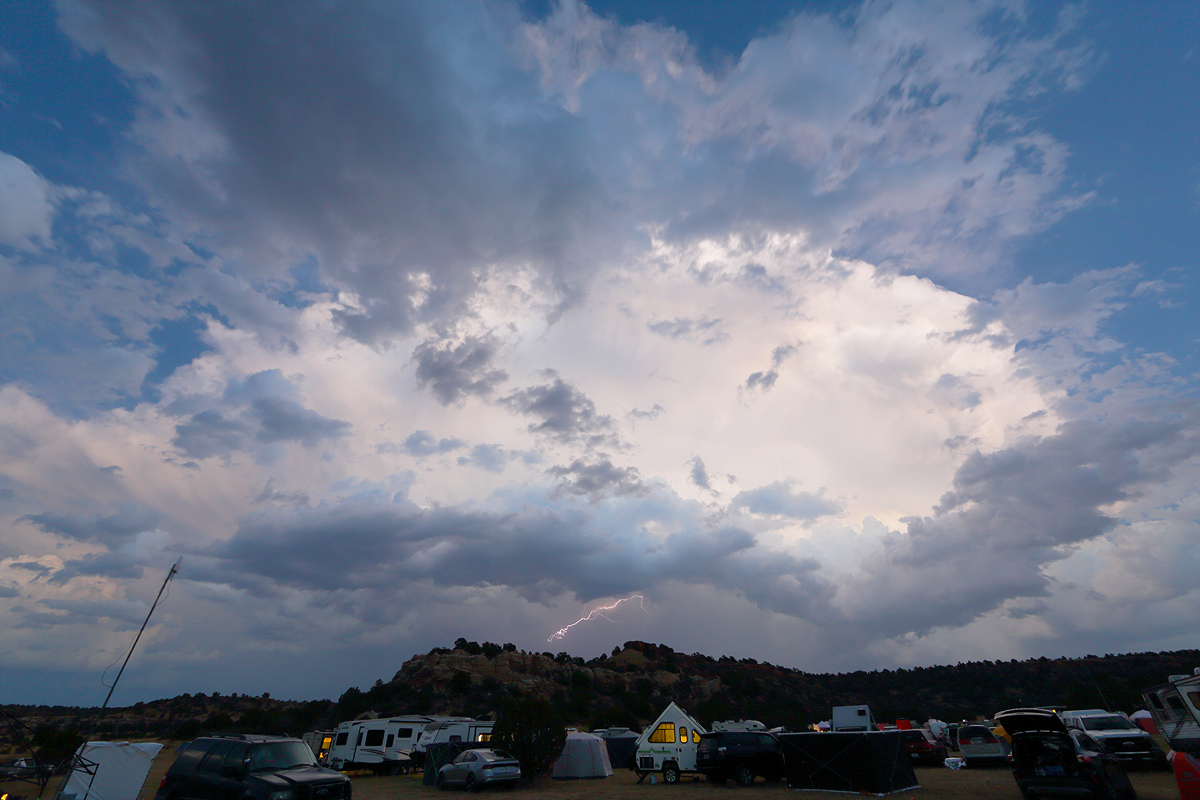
472,786
745,776
671,773
440,782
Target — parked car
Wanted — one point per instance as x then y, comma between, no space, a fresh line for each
1120,738
922,747
1050,761
250,767
741,755
24,769
979,745
478,769
950,736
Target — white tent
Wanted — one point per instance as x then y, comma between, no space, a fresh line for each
583,756
110,771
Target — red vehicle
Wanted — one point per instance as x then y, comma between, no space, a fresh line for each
922,747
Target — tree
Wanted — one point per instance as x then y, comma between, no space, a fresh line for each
534,732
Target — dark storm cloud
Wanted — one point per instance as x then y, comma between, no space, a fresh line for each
764,380
783,500
115,529
599,479
424,443
653,413
454,371
1012,512
566,413
91,611
704,330
699,474
494,458
8,592
116,564
264,408
538,552
397,144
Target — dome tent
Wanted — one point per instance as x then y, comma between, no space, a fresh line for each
583,756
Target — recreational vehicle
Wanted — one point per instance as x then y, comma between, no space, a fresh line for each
668,746
851,719
738,725
453,729
381,745
319,742
1175,706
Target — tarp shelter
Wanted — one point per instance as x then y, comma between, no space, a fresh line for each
874,762
439,754
621,743
109,770
583,756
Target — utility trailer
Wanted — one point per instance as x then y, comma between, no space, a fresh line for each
668,746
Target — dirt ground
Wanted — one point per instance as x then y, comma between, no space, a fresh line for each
937,783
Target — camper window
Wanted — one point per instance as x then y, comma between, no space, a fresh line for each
683,734
1193,697
663,734
1175,703
404,733
1156,701
485,737
454,737
391,740
374,738
342,737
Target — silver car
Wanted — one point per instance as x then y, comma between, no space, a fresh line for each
979,745
476,769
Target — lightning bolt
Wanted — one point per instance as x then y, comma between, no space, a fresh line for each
598,612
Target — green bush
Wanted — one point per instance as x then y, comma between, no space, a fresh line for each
533,732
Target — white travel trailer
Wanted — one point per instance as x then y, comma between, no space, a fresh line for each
453,729
739,725
1175,706
381,745
668,746
852,719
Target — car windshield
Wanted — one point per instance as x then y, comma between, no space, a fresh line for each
280,755
500,754
1108,723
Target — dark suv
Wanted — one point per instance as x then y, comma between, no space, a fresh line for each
250,767
740,755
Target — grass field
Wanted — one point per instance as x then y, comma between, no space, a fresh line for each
937,783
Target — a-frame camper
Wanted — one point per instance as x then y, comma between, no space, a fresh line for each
668,746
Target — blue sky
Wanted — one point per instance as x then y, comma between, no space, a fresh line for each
867,326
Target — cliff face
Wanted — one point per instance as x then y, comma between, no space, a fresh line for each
539,675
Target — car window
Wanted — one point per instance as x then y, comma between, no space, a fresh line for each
191,755
216,756
280,755
1107,723
237,755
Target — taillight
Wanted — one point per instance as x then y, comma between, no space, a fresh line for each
163,782
1085,759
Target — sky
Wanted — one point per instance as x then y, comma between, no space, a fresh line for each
838,335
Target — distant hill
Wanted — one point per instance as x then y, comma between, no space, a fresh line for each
630,687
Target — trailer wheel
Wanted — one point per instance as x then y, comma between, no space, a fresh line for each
670,773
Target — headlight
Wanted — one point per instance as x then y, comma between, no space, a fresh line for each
286,794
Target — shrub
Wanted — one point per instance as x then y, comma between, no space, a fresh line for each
533,732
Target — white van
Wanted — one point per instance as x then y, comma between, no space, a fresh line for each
382,745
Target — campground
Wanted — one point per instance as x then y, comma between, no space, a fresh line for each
937,783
